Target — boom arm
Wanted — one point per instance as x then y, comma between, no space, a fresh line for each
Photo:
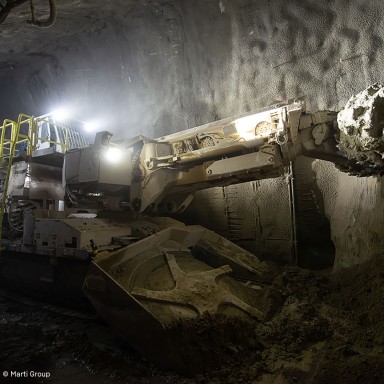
163,174
250,147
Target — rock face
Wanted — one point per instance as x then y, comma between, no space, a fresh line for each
355,208
361,125
156,67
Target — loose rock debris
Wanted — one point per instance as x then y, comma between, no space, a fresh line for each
328,328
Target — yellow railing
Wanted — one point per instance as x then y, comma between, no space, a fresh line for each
10,133
7,144
36,138
11,139
29,121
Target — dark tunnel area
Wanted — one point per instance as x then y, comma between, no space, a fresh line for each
191,191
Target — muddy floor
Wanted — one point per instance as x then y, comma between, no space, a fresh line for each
325,328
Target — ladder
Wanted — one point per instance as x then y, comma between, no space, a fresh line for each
25,136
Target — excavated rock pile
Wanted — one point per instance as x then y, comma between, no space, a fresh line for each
325,328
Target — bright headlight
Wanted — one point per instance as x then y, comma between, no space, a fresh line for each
113,155
92,126
247,126
60,114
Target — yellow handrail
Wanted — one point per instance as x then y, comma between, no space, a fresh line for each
64,146
11,137
27,120
7,123
13,142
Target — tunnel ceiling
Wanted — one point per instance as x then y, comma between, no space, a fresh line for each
156,67
22,42
41,67
20,38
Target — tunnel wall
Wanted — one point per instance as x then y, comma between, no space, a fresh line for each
160,67
154,67
355,208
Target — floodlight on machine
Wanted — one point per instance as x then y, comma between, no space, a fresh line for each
60,114
113,155
91,126
250,127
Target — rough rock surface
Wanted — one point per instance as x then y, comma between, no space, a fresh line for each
355,208
361,125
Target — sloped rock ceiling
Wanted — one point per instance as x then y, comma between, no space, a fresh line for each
156,67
